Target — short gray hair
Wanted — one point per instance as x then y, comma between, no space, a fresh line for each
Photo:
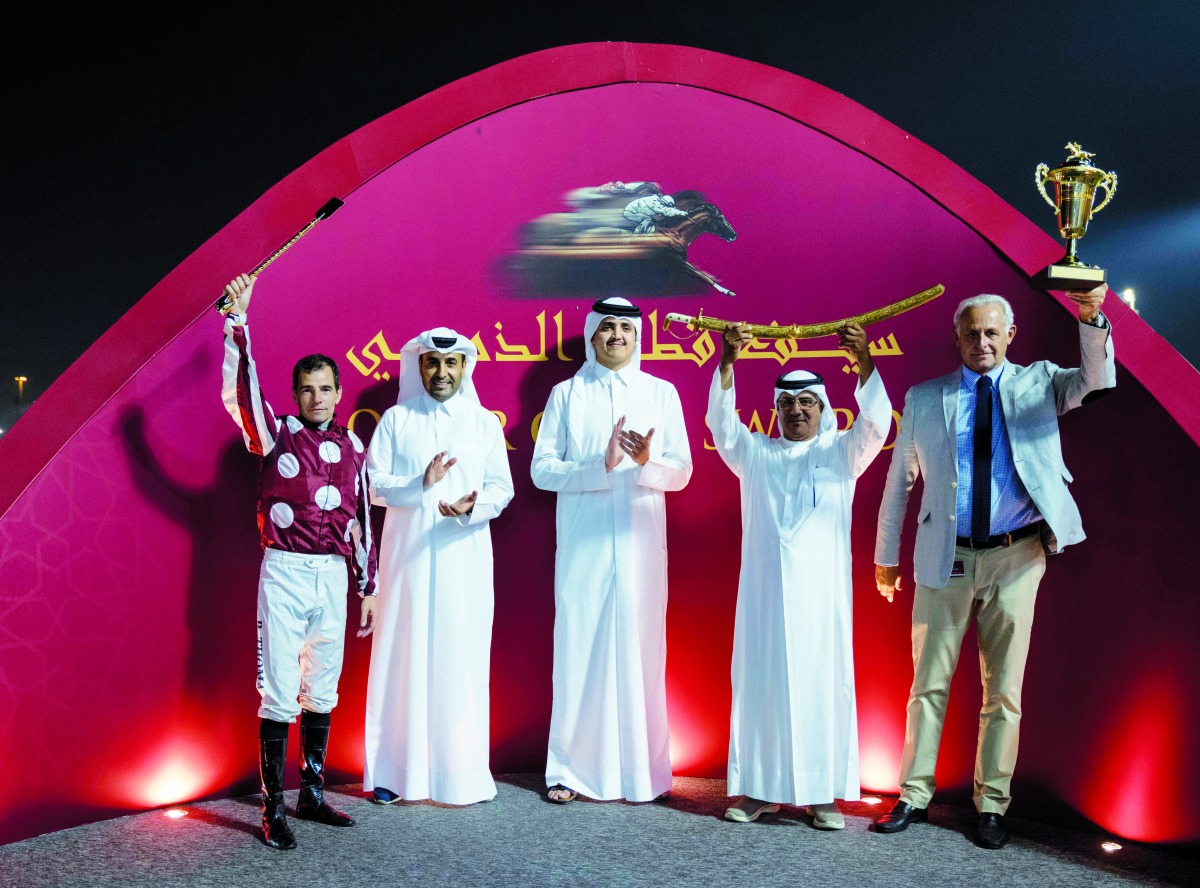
979,302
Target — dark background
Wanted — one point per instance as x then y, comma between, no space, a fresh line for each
134,137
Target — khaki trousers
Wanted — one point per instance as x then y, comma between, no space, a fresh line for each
997,590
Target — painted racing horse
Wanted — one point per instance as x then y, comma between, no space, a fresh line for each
560,236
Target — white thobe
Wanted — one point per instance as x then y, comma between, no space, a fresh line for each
427,729
608,724
793,732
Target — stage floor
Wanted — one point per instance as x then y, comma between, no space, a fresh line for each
520,839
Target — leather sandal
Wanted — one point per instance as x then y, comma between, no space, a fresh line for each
560,788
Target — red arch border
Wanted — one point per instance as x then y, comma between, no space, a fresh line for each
186,294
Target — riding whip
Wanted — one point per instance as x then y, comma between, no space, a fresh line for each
810,331
224,305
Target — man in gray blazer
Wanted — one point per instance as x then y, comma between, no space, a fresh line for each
981,548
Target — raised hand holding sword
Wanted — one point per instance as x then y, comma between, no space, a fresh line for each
851,338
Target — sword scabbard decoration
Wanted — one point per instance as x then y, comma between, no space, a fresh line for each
809,331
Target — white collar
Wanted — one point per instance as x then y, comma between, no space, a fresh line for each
625,374
430,404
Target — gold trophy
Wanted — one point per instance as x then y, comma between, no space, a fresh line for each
1075,183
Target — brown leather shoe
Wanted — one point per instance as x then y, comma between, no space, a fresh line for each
901,815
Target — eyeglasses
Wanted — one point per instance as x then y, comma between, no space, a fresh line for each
788,403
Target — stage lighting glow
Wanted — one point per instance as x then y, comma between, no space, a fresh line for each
180,769
687,740
175,780
878,768
1110,847
175,813
1144,800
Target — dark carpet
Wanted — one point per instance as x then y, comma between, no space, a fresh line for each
520,839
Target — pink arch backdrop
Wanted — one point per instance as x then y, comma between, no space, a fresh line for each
126,504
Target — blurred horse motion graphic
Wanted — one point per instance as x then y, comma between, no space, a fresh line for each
619,237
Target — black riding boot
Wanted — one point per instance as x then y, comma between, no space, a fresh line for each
314,740
271,764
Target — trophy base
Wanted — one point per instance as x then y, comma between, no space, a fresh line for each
1070,277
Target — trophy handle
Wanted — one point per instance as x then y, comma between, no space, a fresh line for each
1109,184
1039,179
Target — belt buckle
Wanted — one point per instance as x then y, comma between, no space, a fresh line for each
1008,540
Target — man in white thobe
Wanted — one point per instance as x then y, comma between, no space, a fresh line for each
438,462
611,442
793,733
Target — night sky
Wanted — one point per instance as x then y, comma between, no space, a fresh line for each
133,138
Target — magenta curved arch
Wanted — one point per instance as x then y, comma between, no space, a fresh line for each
126,506
347,164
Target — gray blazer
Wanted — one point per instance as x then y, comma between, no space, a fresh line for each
1032,399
